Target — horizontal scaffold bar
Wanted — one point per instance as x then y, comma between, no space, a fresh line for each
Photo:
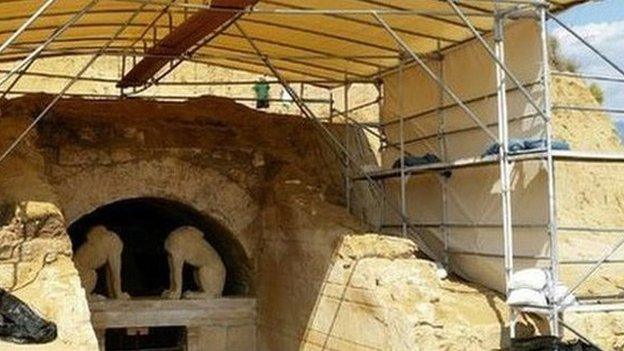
559,155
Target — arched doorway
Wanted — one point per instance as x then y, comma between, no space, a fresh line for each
143,225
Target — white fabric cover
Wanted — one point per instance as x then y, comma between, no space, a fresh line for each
473,193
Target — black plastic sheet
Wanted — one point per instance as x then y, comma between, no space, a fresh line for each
20,324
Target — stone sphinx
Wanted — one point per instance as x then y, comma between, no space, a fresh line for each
103,247
187,245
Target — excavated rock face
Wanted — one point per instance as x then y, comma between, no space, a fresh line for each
36,266
34,236
379,295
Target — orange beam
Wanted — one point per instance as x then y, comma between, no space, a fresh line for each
191,32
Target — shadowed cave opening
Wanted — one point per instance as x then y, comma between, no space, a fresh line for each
143,224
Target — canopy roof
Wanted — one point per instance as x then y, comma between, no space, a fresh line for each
305,40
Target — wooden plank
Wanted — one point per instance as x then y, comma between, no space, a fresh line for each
159,313
198,27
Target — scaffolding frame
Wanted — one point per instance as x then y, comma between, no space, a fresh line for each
506,160
353,171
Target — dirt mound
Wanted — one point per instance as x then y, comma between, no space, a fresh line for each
584,130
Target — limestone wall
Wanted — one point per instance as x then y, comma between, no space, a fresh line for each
253,173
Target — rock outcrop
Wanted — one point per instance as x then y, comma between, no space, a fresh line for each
36,266
379,295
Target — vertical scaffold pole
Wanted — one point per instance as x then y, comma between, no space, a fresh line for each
504,165
347,172
381,183
401,113
302,94
443,151
550,169
331,107
123,74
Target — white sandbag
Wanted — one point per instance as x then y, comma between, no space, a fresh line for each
441,272
532,278
562,291
520,297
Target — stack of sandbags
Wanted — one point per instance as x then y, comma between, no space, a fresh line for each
529,287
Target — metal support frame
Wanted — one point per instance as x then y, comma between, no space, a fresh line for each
403,175
504,163
57,33
60,95
337,147
492,54
434,77
26,24
443,150
347,133
503,73
343,151
550,168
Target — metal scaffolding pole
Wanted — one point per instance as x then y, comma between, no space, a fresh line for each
330,113
347,86
443,151
585,42
492,54
401,115
328,11
380,183
33,55
26,24
593,269
550,169
435,78
16,80
504,163
339,147
52,103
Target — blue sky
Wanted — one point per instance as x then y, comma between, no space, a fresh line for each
595,12
602,24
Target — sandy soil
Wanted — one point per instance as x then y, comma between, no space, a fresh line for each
587,131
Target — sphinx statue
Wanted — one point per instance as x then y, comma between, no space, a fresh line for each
103,247
187,245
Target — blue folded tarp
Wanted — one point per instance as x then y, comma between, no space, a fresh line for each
411,161
518,145
426,159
